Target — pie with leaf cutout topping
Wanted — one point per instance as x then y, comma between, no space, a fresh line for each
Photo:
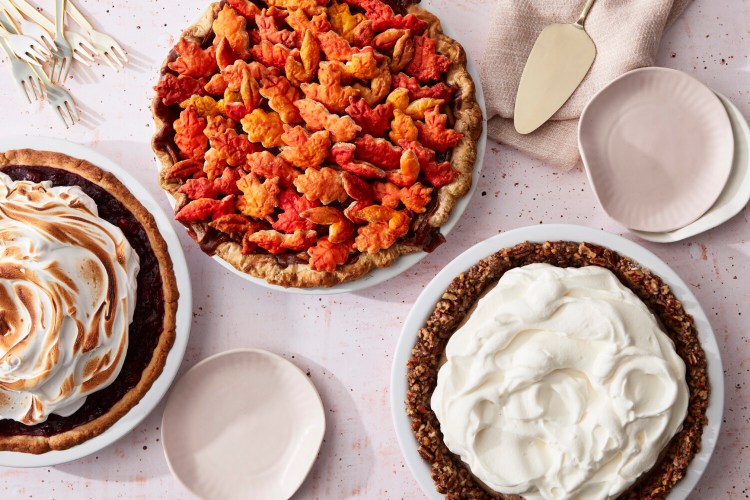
307,142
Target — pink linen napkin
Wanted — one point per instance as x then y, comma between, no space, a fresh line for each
627,34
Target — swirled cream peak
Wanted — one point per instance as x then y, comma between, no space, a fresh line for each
560,384
67,296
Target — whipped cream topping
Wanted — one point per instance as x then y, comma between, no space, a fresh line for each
560,384
67,297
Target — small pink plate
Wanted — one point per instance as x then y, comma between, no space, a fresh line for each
243,424
657,146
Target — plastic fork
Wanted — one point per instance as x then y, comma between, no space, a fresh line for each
83,51
25,48
106,46
60,100
28,28
63,55
29,82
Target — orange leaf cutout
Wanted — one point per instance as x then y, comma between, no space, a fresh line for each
302,149
235,224
281,96
173,89
193,60
292,204
363,65
402,127
259,199
387,194
263,127
433,134
271,54
343,21
233,147
217,125
245,8
205,208
217,85
363,34
408,171
355,207
387,39
309,7
398,221
231,26
374,121
334,46
189,136
325,185
416,197
329,91
437,91
300,23
269,166
343,154
298,72
427,64
399,98
196,189
268,30
357,189
317,117
341,229
383,18
205,106
227,183
214,164
416,109
379,152
374,237
225,56
277,243
379,87
326,256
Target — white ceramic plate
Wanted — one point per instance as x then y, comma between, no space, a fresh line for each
377,276
657,146
243,424
425,304
736,193
184,309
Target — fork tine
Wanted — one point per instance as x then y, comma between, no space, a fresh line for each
64,69
29,59
82,57
61,114
106,59
30,84
26,90
118,50
73,110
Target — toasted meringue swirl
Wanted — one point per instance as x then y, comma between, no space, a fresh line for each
67,297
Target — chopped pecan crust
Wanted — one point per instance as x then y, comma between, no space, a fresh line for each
452,477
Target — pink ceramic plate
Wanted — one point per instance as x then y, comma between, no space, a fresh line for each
658,147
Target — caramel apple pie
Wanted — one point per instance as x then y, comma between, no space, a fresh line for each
307,142
558,370
87,301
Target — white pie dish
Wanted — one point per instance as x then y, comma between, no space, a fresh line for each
242,421
183,320
657,146
736,193
425,303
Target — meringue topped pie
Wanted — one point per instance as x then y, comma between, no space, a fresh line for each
558,370
87,301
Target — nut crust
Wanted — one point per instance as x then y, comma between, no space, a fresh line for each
468,121
452,477
107,181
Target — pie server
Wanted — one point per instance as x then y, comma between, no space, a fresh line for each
560,59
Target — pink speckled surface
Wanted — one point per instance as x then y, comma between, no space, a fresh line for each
347,352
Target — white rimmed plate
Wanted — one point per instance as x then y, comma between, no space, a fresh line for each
736,193
184,308
657,145
244,423
426,301
377,276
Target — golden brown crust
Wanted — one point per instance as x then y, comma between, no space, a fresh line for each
452,477
107,181
468,121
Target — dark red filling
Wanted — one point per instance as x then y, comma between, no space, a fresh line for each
148,320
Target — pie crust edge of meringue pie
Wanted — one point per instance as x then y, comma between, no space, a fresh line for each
450,475
468,120
108,182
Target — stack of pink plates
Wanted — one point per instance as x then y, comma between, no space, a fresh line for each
666,156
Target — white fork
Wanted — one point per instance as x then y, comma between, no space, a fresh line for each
27,80
28,28
105,45
83,51
25,48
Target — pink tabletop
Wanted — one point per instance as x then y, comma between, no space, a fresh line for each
346,342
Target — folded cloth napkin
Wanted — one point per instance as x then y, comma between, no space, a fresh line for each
626,33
